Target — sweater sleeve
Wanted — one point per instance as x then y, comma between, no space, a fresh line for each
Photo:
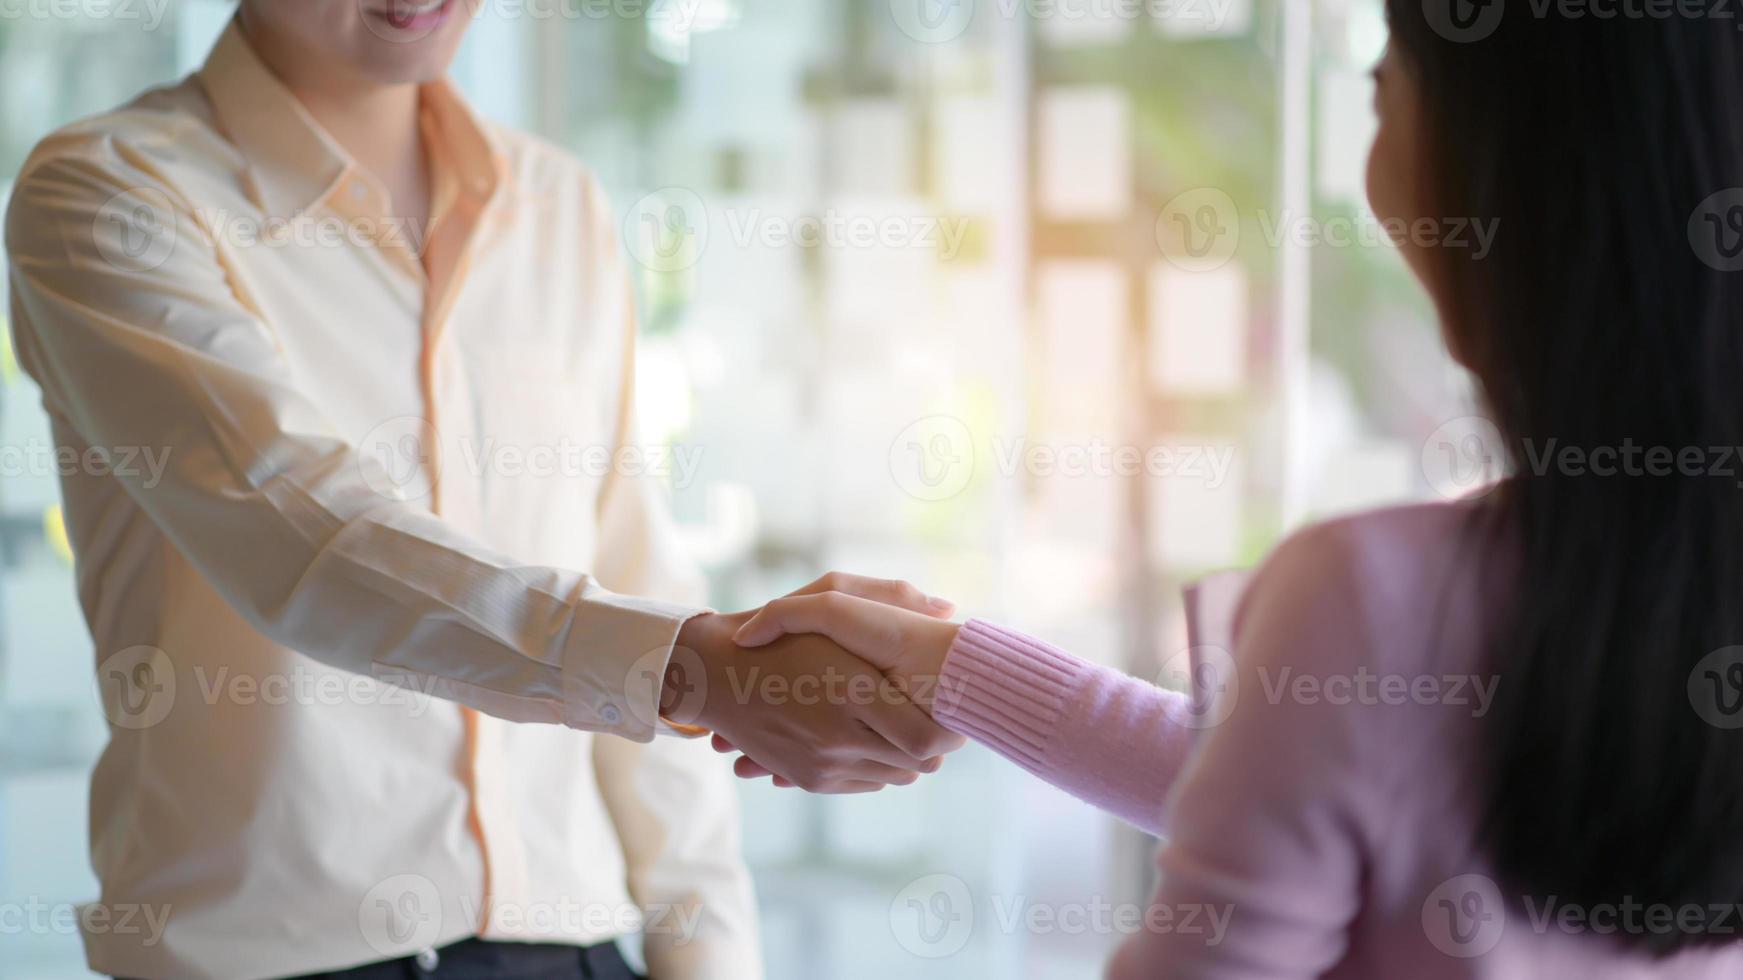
1111,740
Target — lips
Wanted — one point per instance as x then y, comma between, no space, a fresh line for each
412,15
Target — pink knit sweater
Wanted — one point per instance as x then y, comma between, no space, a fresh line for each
1323,807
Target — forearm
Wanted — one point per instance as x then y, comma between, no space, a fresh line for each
1111,740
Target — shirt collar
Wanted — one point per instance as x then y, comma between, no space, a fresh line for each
294,164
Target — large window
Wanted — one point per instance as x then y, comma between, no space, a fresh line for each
1048,307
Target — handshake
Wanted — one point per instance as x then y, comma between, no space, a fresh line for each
830,689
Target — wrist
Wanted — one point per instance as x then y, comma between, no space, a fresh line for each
922,667
688,691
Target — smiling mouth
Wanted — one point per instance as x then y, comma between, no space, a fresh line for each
411,14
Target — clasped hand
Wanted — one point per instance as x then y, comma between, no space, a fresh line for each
829,689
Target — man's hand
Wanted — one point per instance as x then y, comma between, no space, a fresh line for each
803,709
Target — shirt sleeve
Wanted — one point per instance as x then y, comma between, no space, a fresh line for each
1262,874
125,315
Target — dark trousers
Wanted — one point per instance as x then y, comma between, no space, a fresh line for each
477,959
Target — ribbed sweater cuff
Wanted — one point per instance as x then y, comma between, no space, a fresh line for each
1005,690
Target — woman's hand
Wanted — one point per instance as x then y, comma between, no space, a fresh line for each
907,646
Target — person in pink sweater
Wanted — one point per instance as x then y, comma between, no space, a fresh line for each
1496,738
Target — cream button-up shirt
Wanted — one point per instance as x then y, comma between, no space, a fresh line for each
381,587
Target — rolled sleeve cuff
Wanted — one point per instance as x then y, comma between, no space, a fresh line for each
614,663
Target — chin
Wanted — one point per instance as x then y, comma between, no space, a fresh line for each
410,42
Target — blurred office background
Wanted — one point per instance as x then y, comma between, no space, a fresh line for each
921,280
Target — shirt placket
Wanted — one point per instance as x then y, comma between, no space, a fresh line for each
440,268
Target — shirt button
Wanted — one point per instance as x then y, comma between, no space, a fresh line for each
428,959
610,714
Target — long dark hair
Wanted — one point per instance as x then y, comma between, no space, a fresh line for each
1605,317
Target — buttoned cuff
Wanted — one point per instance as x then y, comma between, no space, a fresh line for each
614,663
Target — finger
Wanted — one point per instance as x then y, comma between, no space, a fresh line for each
888,591
744,767
909,729
722,745
850,788
871,630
